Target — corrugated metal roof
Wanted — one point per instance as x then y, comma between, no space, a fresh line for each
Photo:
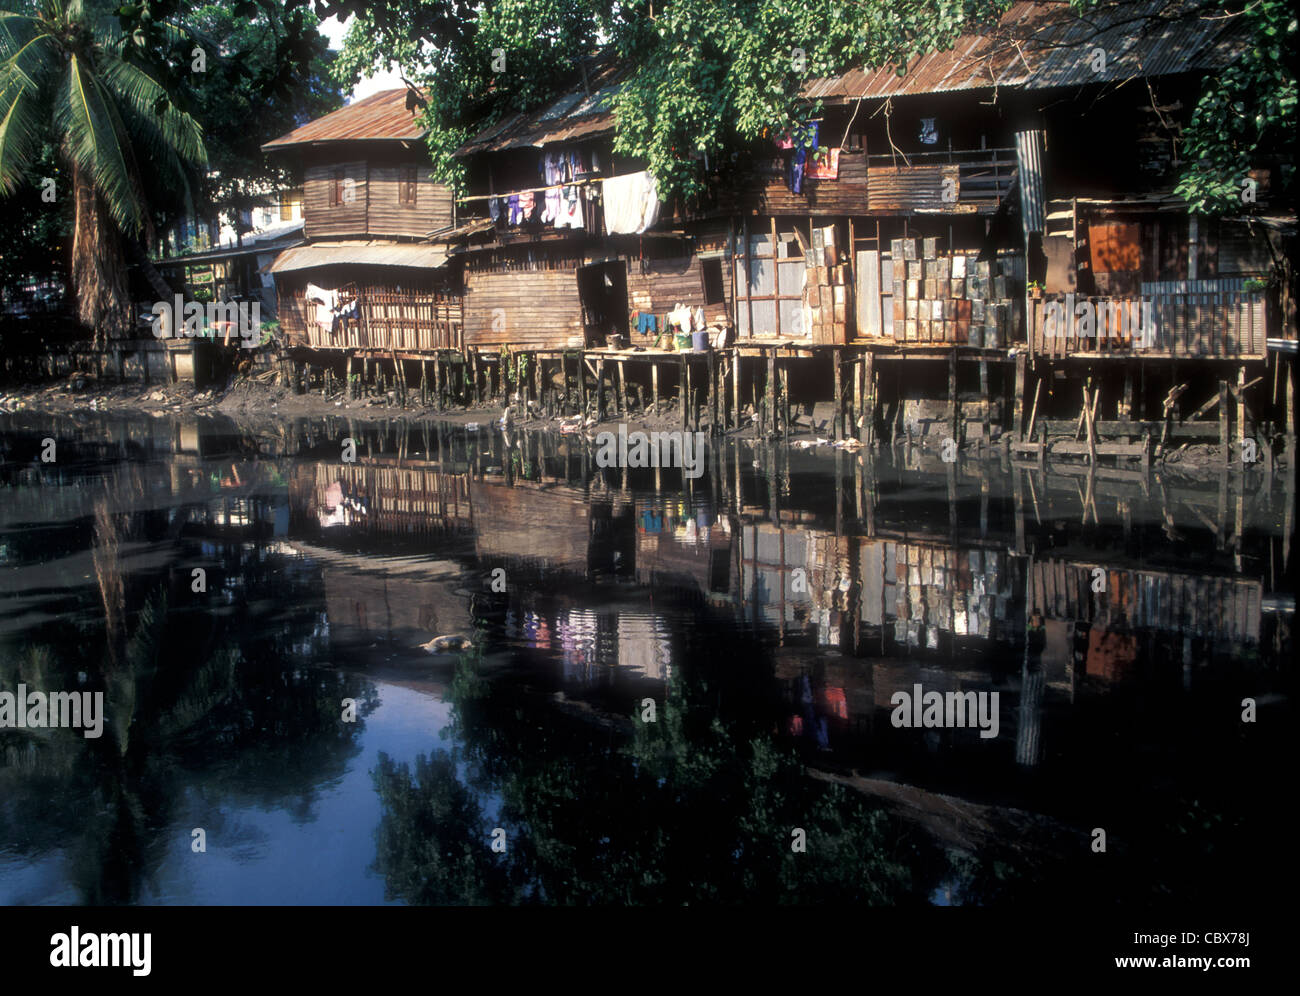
582,112
359,253
381,117
1040,45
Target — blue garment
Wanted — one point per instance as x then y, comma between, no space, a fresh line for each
799,160
647,323
516,216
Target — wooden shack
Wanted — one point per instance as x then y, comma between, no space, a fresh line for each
366,281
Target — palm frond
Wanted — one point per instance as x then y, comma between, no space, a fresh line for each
137,95
94,141
20,137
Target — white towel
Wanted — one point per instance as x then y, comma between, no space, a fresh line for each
631,203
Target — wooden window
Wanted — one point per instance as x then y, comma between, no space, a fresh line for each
339,179
407,182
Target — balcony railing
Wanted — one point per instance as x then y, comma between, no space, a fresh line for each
384,319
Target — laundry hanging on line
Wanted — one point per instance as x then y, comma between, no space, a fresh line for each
631,203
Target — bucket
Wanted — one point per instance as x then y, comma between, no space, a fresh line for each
701,341
683,341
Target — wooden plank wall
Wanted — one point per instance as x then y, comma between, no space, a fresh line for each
526,308
377,209
388,216
321,216
659,285
1196,325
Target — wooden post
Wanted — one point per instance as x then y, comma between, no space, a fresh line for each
437,381
713,394
952,396
838,415
735,386
857,398
868,436
1225,442
785,400
473,372
681,388
622,388
654,385
1241,411
1017,425
424,383
988,402
1126,400
1088,409
537,376
769,401
600,389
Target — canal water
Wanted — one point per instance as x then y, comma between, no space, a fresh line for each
468,667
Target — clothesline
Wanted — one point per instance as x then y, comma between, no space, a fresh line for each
531,190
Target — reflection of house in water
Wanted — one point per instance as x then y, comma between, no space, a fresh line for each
677,544
383,495
1106,631
400,600
546,524
923,593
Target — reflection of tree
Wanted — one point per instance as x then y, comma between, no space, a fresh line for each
195,701
689,809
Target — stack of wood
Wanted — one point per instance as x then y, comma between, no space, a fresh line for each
953,298
827,290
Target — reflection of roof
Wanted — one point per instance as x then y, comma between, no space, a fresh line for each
1039,45
583,112
359,253
381,117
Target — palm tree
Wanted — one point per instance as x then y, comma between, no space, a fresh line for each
66,77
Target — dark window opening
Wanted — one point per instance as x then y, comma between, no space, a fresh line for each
711,274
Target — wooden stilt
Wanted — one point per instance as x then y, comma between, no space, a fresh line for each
868,435
770,395
1225,442
838,415
857,400
681,388
537,377
600,389
622,389
735,387
654,385
1017,424
424,383
713,395
1241,413
952,397
985,441
1089,406
785,401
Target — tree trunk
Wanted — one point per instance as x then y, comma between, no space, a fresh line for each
98,267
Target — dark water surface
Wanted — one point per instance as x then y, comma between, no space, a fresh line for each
767,612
